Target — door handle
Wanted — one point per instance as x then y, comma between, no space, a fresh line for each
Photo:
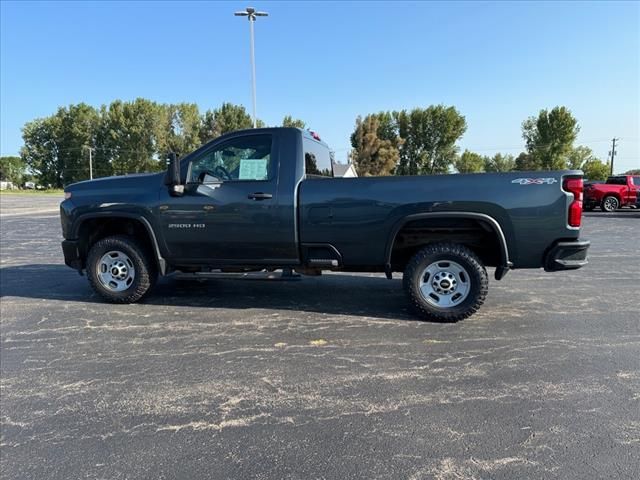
260,196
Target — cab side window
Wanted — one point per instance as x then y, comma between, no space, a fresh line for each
317,159
241,159
617,180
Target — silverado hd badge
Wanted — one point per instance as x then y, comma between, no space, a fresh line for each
534,181
186,225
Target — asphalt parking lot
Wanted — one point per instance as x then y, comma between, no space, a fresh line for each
327,377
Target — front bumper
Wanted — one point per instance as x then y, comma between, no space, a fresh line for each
72,254
566,255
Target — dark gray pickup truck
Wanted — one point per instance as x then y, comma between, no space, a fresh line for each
266,199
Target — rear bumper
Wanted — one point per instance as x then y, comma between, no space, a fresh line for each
566,255
72,254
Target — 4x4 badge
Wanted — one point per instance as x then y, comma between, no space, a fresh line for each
534,181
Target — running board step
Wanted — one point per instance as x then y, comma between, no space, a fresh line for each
272,276
322,262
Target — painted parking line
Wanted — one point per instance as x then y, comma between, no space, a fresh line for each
29,212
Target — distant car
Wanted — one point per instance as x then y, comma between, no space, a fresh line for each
618,191
30,185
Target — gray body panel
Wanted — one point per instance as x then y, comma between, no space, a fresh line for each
356,215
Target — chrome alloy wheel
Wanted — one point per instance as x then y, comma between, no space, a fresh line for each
116,271
445,284
610,204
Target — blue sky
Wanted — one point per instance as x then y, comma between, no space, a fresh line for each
327,62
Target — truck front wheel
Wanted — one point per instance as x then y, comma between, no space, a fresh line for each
119,269
445,282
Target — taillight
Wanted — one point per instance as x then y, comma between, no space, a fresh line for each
574,186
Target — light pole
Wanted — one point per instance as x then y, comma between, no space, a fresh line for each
251,15
613,152
90,161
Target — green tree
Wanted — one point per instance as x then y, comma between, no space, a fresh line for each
77,130
469,162
499,163
429,138
208,130
40,150
578,156
375,149
595,169
131,137
289,121
125,137
527,162
582,158
105,144
227,118
549,137
180,130
12,170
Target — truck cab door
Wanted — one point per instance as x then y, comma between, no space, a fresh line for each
231,213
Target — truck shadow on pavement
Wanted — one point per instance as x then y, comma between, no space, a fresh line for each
335,293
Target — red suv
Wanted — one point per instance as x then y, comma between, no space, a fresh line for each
618,191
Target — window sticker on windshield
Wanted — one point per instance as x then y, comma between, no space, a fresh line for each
253,169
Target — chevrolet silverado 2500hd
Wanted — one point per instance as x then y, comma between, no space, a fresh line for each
266,199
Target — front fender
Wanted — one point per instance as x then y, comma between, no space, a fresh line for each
74,230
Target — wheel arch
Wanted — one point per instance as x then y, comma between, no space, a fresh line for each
91,227
504,260
616,195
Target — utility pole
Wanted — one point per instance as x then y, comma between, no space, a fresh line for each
90,161
613,152
251,15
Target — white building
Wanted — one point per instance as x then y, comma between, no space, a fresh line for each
344,170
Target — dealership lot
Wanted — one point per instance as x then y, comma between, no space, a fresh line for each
328,377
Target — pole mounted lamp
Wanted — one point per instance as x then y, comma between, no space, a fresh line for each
90,160
251,15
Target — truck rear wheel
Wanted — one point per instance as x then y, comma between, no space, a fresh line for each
610,204
445,282
119,269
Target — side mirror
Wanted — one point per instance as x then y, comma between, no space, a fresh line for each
172,178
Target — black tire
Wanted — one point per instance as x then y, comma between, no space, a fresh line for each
609,204
444,253
145,273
